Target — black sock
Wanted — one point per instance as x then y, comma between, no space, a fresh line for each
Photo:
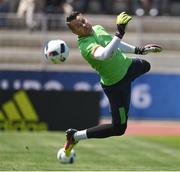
100,131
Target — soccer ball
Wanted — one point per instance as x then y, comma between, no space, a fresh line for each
61,156
56,51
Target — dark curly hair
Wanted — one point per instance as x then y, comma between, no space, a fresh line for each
72,16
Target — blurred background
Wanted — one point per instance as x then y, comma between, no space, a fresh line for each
37,95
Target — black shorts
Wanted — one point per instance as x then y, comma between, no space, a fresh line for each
119,94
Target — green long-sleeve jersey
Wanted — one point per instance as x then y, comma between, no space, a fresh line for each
110,70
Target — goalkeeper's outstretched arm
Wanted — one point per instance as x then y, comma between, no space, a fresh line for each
103,53
149,48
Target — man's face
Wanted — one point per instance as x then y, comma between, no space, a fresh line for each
80,26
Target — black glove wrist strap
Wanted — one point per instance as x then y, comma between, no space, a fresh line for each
139,50
119,35
121,30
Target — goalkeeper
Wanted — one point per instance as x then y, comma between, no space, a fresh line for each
105,54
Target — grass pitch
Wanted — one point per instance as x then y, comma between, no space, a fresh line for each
37,152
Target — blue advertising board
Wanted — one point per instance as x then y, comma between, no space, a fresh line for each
154,96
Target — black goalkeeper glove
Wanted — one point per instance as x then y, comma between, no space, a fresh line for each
150,48
121,21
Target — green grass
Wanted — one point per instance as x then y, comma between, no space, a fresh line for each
37,152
